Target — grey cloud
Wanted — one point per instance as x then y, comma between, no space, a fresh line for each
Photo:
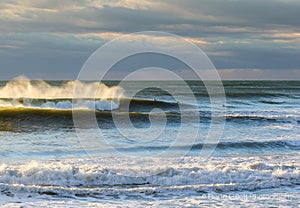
261,16
44,56
47,42
259,54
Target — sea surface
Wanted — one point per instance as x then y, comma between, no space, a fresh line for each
117,150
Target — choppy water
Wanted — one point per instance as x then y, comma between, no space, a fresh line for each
43,162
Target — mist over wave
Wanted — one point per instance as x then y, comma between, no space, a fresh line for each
22,92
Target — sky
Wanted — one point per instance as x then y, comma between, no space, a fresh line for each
245,39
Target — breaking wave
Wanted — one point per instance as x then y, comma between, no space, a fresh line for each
85,178
25,93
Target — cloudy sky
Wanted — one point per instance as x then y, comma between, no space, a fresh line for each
245,39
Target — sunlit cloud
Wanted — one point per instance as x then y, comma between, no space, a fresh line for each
8,46
286,35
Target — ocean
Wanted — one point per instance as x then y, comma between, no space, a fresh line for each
108,150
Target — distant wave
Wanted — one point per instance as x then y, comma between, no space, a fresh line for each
292,116
253,94
273,144
272,102
278,144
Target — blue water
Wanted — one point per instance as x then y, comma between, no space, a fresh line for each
105,160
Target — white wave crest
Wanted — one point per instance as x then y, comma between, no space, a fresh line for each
24,93
84,176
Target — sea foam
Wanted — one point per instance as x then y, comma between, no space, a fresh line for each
191,175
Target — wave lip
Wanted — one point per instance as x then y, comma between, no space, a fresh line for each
87,103
60,104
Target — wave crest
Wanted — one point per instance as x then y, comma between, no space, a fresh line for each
22,92
85,177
